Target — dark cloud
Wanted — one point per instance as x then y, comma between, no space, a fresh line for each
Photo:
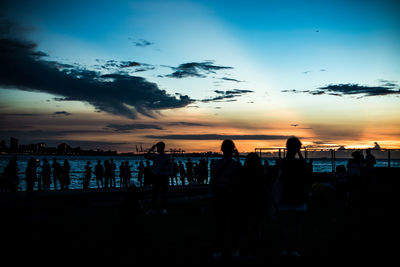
141,42
24,68
231,79
226,95
62,113
184,123
122,66
389,88
306,72
195,69
129,127
217,137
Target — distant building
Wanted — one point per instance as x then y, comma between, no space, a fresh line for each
63,149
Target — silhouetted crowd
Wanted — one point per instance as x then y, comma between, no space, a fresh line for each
243,196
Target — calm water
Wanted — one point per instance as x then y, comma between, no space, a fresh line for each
78,164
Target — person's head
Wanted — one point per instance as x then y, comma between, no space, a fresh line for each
88,163
252,161
126,162
160,147
227,147
368,151
122,163
98,161
45,160
293,145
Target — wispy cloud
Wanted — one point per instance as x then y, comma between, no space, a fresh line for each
217,137
141,42
388,88
226,95
123,128
195,69
65,113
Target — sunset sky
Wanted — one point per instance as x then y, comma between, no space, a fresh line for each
121,74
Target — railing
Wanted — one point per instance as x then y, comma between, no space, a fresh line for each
311,153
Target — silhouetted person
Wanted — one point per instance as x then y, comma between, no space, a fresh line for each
162,169
293,200
354,168
225,177
140,173
57,170
252,206
203,171
121,174
99,173
128,175
88,175
46,172
174,175
148,173
182,173
113,167
66,179
341,184
30,174
369,167
107,174
189,171
11,178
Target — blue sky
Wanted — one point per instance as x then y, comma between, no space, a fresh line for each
294,57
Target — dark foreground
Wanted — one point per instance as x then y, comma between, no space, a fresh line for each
95,228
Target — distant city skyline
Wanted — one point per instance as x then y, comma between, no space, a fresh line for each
192,73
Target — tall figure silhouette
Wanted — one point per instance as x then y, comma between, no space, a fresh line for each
162,171
293,199
225,175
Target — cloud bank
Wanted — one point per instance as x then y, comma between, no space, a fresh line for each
387,88
24,68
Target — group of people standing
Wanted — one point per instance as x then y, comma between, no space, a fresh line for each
181,174
244,196
105,175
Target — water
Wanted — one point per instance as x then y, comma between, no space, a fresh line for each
78,164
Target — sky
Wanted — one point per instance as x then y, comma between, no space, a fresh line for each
125,74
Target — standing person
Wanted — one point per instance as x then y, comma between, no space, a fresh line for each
99,173
162,170
293,198
121,174
113,167
224,181
189,171
369,166
11,175
140,173
148,173
66,168
46,170
252,206
174,175
354,166
30,173
128,174
107,173
182,173
56,173
88,175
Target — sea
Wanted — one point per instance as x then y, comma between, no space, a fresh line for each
78,164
